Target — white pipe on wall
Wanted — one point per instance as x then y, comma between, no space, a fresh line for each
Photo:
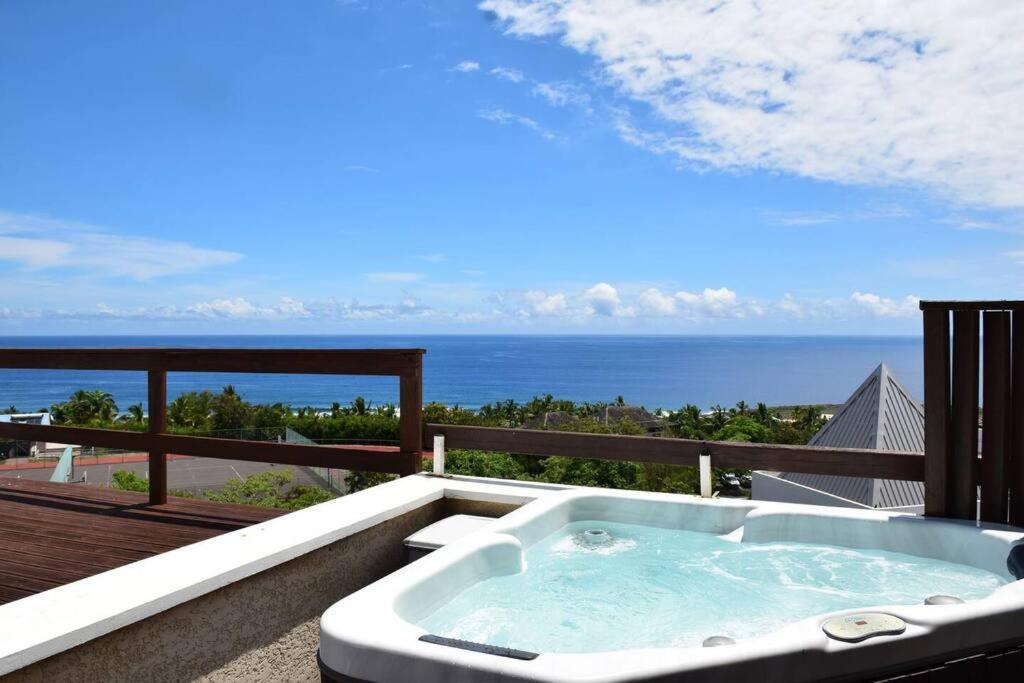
705,475
439,454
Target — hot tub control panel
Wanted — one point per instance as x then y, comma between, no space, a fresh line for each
854,628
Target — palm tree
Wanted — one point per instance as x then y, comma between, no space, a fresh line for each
135,413
360,406
809,418
688,422
101,405
86,406
11,410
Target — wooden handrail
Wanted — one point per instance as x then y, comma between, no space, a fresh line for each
847,462
395,362
995,305
406,364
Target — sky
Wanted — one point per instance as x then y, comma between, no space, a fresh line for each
507,166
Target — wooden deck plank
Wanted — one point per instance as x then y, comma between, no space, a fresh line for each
54,534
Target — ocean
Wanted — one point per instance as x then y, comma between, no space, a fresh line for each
653,371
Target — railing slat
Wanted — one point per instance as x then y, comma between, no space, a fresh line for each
964,437
157,380
936,412
369,458
1015,474
104,438
850,462
995,426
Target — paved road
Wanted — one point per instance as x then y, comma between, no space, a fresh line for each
191,474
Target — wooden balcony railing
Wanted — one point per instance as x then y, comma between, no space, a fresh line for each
849,462
406,364
950,468
955,477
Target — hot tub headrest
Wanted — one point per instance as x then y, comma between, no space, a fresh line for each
1015,561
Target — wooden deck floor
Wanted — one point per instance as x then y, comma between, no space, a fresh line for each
53,534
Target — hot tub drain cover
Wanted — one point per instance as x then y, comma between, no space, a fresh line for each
595,537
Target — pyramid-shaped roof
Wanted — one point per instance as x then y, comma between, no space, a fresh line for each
881,415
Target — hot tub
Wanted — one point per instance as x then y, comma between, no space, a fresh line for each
589,585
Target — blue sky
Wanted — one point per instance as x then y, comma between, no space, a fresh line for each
514,166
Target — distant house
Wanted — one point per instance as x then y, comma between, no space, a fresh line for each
29,448
882,415
609,415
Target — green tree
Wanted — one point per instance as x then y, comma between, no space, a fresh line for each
763,415
744,428
272,488
360,406
228,412
602,473
135,413
191,411
688,422
356,480
483,464
85,407
126,480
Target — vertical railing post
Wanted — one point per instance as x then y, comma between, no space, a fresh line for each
936,412
410,425
157,425
1015,475
964,458
995,440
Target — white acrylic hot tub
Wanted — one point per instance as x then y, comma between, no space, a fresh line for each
373,635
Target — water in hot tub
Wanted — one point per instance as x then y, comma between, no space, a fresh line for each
639,586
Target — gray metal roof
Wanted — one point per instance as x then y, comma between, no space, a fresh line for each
882,415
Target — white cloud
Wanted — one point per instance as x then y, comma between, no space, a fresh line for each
885,307
653,302
561,94
508,74
719,303
33,253
800,219
359,168
505,118
603,299
38,243
540,303
433,258
922,93
467,66
1017,257
789,305
394,277
601,302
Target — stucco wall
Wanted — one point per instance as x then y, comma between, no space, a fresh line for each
263,628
